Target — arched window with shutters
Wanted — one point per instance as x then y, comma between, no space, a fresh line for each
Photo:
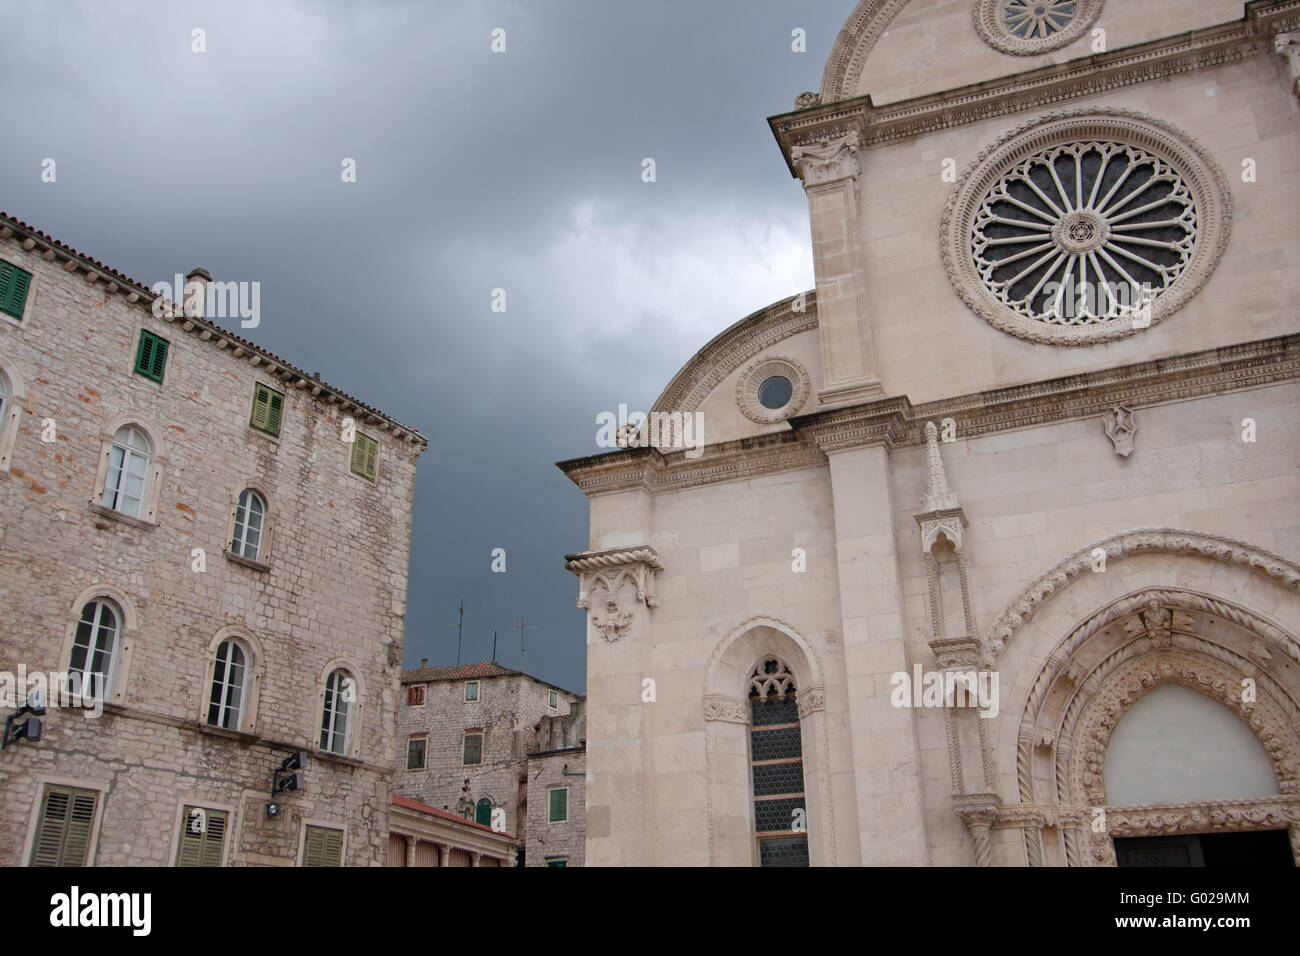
776,766
248,539
227,702
128,471
483,812
96,645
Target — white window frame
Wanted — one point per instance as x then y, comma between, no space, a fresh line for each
424,697
477,695
122,455
553,700
102,603
244,515
147,516
240,709
11,410
335,742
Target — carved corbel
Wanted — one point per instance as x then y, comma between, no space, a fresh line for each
611,584
1121,426
979,811
828,160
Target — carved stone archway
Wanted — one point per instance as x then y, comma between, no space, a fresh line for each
1105,665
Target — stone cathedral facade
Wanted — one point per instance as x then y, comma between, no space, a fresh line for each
993,555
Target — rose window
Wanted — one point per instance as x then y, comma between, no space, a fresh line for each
1037,19
1085,233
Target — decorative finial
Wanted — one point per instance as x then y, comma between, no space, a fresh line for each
937,497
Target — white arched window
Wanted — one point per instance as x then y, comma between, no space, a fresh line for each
95,649
250,518
128,469
227,702
4,397
336,717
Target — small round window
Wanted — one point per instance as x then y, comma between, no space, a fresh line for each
775,392
772,388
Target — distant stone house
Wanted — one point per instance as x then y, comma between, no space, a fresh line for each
187,528
472,739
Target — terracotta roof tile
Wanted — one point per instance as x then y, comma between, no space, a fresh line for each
410,803
425,675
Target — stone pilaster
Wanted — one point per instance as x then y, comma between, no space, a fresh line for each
828,165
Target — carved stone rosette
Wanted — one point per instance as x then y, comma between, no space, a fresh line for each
612,583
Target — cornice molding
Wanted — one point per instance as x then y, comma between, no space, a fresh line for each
111,282
1035,89
897,423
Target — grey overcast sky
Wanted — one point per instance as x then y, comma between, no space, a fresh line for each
475,171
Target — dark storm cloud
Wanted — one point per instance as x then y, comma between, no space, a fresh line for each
475,171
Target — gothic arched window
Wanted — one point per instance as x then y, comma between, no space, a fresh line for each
776,755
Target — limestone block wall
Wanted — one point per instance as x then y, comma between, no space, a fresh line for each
333,595
1037,495
506,711
930,344
932,45
549,840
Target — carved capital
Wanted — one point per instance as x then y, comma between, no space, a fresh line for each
957,653
612,583
829,160
812,701
732,710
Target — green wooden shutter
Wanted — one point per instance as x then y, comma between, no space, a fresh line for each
63,831
483,812
365,456
14,283
151,356
323,847
268,409
274,413
201,849
559,806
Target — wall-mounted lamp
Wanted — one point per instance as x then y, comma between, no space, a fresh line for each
28,728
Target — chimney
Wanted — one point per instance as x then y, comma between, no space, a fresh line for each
424,662
195,300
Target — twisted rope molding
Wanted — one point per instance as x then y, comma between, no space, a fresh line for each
1137,541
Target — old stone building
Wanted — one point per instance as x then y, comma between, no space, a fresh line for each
479,739
992,556
188,529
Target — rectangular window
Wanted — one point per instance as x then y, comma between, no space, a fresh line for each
471,690
63,831
560,805
415,695
365,456
474,747
14,283
323,846
268,408
203,834
151,356
415,753
554,700
558,861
